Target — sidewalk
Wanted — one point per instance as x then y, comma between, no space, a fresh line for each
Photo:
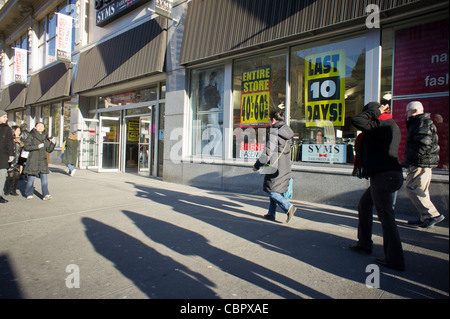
136,237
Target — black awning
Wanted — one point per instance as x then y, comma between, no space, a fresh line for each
219,28
13,97
49,84
130,55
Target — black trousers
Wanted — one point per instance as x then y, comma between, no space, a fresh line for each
379,194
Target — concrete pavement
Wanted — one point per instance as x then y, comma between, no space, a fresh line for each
119,235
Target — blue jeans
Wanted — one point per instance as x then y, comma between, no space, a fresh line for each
70,167
278,199
29,189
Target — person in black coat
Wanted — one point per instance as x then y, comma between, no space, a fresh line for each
378,155
277,152
6,151
38,144
421,155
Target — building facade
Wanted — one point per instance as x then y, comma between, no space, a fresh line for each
186,97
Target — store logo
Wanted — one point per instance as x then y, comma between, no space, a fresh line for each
373,19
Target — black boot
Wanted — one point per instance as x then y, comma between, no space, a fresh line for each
7,186
14,187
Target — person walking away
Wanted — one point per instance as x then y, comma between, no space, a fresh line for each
378,155
14,169
71,152
6,151
277,149
38,144
421,155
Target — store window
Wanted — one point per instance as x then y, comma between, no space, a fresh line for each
259,86
207,91
47,32
51,116
327,90
422,43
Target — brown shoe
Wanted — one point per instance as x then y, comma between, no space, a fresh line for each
290,213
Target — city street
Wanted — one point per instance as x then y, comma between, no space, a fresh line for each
124,236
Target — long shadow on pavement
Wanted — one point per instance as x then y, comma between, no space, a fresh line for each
318,249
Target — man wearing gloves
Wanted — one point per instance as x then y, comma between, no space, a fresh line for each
6,151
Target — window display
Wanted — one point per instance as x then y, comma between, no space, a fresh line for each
327,89
207,92
259,86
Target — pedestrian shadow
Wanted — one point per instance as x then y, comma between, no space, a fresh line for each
156,275
190,243
9,288
321,250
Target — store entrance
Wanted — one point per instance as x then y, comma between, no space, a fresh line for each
132,145
139,150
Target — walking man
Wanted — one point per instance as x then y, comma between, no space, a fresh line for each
421,155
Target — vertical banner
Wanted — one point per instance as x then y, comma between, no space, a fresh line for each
20,66
255,98
64,38
325,88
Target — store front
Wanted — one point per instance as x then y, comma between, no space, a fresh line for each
123,132
121,96
318,63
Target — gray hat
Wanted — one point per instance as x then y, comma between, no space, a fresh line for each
2,113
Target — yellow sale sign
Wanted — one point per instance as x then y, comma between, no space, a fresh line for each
325,88
255,97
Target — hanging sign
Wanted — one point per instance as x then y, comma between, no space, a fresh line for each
255,97
325,88
20,65
64,38
164,8
110,10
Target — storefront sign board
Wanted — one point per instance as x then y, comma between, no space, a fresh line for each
325,88
324,153
255,97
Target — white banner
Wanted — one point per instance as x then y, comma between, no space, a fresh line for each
324,153
64,38
20,65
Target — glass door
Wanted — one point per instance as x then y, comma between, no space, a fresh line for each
109,144
145,141
89,144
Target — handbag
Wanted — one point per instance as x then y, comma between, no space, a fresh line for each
270,169
290,191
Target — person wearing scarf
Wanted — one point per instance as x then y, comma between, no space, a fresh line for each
377,160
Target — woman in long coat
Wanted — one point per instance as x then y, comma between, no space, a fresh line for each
71,153
38,145
277,152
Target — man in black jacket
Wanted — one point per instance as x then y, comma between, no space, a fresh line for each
379,160
421,155
6,151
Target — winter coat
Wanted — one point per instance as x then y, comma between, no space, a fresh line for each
278,142
71,151
14,165
37,158
379,146
6,145
422,149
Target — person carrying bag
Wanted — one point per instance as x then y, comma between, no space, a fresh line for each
275,163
